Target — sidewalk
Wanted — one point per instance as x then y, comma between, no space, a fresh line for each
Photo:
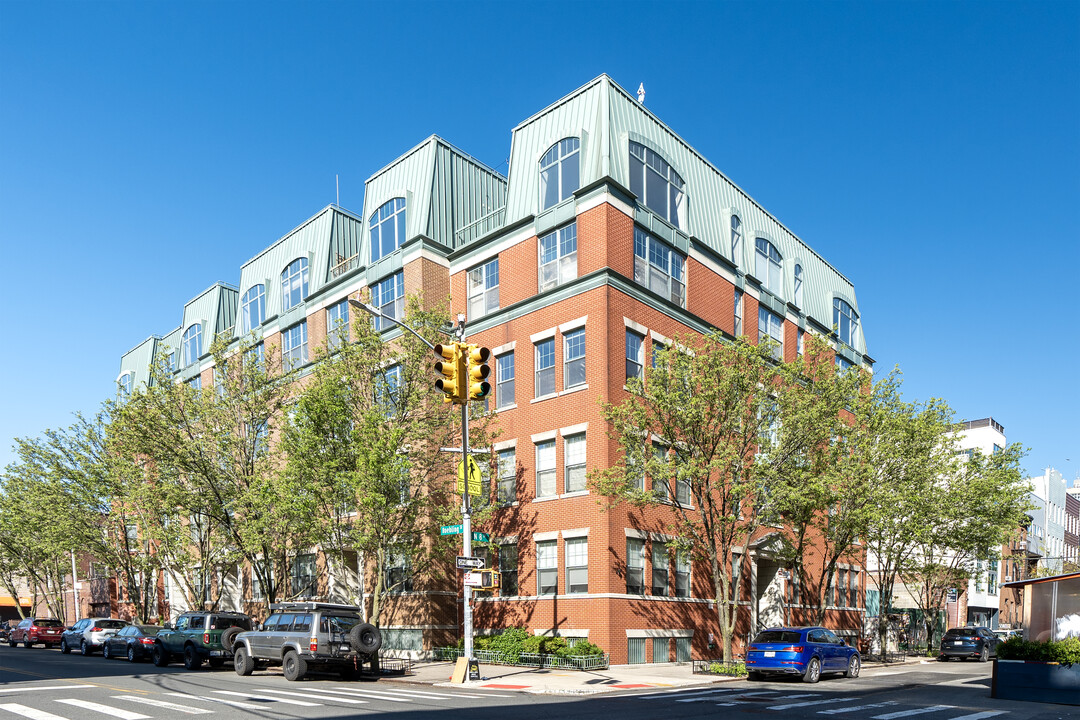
580,682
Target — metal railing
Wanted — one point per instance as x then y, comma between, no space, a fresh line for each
557,662
345,266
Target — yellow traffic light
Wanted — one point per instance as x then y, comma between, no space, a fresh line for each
478,372
452,369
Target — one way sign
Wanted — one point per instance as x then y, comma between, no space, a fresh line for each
469,563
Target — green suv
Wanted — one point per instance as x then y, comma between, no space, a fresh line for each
308,635
198,636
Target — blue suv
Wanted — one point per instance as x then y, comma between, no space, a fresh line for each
804,651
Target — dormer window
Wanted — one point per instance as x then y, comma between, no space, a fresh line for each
798,285
559,172
657,184
387,228
124,384
294,284
191,345
767,267
845,322
736,239
252,308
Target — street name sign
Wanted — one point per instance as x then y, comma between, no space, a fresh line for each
452,530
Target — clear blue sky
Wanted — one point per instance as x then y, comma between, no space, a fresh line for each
929,150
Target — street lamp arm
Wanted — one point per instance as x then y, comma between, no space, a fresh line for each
375,311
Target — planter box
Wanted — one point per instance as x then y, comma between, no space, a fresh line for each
1038,681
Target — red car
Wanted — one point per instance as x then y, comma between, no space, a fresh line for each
32,631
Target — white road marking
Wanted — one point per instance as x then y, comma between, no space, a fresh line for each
365,693
164,705
234,703
4,691
917,711
418,693
837,711
29,712
104,709
808,703
691,697
270,698
980,715
313,696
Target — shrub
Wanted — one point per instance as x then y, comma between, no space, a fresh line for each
1065,652
737,669
512,642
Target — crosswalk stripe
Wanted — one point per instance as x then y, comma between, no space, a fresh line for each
314,696
917,711
364,693
838,711
417,693
4,691
270,698
28,712
104,709
223,701
164,705
808,703
980,715
692,697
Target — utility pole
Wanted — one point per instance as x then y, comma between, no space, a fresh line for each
466,501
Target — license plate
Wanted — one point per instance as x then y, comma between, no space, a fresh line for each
770,653
958,642
217,653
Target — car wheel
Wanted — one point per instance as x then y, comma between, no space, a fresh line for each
192,660
854,665
753,675
228,638
295,667
984,655
84,648
11,643
63,647
161,656
28,643
131,653
943,658
813,671
105,651
365,638
242,662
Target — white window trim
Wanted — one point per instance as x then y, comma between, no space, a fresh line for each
545,536
660,633
637,534
505,445
573,324
541,336
503,349
575,533
544,436
574,429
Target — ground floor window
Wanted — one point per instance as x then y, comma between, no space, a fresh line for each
397,639
661,649
682,650
635,650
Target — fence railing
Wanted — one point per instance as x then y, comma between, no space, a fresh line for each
557,662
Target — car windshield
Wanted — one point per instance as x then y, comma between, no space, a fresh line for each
111,624
778,636
962,632
220,623
338,623
48,623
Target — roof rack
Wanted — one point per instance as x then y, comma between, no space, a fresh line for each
311,605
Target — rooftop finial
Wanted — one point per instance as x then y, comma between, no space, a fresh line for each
641,93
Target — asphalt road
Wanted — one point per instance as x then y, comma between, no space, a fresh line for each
45,685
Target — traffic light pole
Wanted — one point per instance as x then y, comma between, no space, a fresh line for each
466,506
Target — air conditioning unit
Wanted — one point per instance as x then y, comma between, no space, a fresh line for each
1008,578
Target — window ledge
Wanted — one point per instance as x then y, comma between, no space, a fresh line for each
507,505
576,388
545,498
511,406
574,493
544,397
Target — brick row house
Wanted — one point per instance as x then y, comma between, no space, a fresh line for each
609,237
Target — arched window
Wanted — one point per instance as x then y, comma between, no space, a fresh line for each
767,267
559,172
657,184
294,284
252,308
125,384
845,322
736,239
387,225
798,285
191,345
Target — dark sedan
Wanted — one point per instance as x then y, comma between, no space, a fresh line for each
969,642
134,642
804,651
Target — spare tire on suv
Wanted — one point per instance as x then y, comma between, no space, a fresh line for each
365,638
228,638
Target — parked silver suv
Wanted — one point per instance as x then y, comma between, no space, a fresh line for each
308,635
89,633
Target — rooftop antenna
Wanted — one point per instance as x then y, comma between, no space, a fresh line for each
337,187
641,93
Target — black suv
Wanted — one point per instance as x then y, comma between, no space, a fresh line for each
303,635
200,635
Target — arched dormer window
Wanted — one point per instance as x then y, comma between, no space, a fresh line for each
387,228
294,284
559,172
191,345
252,308
124,384
767,267
736,239
845,322
657,184
798,285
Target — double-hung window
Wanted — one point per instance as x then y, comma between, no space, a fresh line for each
845,321
574,461
547,567
559,172
574,358
661,484
484,289
302,574
507,476
191,345
388,393
388,296
657,184
736,239
798,285
387,228
635,344
258,589
545,367
738,312
294,345
577,565
294,284
635,566
770,325
337,325
767,266
659,267
558,257
252,308
399,577
508,569
660,568
504,380
682,573
545,469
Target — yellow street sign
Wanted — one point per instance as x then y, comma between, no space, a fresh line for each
474,476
